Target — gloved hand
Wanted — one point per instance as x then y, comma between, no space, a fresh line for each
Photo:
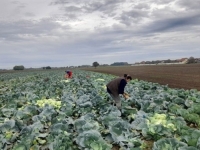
126,96
126,93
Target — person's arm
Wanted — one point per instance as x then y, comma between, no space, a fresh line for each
122,86
66,76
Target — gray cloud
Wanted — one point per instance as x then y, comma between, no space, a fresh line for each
59,2
73,12
161,1
132,17
142,6
28,14
107,6
73,9
195,4
89,6
19,4
68,32
14,31
171,24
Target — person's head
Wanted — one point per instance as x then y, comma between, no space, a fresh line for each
67,71
128,78
125,75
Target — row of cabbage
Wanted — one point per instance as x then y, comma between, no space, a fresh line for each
41,110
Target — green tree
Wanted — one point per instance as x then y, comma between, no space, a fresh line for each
48,67
21,67
191,60
95,64
167,61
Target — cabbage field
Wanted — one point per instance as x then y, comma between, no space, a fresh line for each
42,111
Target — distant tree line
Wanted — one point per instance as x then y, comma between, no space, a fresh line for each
161,61
182,60
48,67
21,67
96,64
119,64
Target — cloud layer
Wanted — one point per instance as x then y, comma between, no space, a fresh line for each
67,32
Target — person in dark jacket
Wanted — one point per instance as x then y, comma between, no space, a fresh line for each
116,87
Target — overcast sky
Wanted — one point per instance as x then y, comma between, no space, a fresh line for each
56,33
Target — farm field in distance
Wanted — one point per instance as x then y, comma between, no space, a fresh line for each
186,76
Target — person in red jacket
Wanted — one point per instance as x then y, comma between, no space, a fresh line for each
68,74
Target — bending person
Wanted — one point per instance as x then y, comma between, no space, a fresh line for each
116,87
68,74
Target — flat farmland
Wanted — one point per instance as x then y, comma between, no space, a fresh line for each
186,76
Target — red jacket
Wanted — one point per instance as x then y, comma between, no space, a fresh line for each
69,74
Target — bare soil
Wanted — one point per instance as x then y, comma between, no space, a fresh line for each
186,76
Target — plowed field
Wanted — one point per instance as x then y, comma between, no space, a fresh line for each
185,76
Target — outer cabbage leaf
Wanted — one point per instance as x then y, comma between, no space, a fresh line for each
168,144
92,139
